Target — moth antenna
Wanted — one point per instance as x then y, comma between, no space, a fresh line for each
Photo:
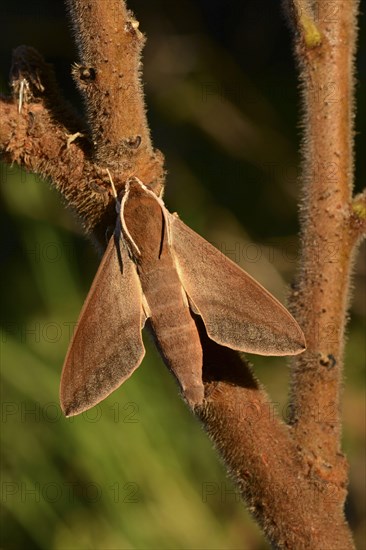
114,192
122,218
120,206
21,95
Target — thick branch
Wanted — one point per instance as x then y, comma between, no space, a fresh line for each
321,297
295,508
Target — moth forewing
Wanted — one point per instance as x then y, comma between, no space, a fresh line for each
107,344
236,310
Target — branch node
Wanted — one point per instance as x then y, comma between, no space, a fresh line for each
311,35
358,218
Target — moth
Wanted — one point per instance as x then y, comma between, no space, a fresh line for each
157,270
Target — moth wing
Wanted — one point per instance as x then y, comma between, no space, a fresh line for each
236,310
107,345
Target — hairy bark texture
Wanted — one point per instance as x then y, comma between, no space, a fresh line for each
108,77
320,298
293,478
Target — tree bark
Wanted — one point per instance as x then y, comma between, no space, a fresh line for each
293,478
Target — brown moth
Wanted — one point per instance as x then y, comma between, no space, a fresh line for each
158,270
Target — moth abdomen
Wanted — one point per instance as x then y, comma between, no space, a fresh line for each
179,345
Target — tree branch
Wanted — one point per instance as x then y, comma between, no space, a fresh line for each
320,299
108,78
42,133
295,508
293,478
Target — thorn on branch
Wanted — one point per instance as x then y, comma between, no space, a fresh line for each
27,72
132,27
72,137
33,81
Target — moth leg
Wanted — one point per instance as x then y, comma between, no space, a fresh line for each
122,227
114,192
166,215
23,84
146,308
123,222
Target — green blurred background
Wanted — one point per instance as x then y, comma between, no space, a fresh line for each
138,470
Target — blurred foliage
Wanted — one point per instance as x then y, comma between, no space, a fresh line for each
138,471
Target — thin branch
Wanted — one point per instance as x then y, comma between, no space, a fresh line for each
108,77
320,299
